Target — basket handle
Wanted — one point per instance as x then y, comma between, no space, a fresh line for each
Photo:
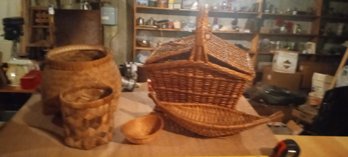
276,117
203,34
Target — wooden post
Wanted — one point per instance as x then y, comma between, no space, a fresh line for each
339,69
25,4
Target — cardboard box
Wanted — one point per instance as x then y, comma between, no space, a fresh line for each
285,80
285,62
308,68
321,83
177,4
262,65
342,79
302,116
310,47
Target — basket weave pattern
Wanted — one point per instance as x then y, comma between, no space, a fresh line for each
179,85
88,124
198,80
60,75
210,120
200,69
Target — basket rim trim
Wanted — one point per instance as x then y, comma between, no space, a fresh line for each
91,104
158,117
218,126
107,56
187,63
197,123
154,57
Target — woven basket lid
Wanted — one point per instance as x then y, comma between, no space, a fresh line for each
218,50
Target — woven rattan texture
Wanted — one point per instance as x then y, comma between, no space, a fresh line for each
87,127
59,76
218,48
196,83
213,72
178,46
210,120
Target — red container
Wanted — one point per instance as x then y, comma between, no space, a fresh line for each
31,80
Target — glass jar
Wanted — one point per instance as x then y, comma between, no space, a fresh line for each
152,3
162,3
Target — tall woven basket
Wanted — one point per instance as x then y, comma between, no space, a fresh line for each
77,65
88,115
200,69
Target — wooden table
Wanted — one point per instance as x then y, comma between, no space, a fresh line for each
15,89
320,146
30,133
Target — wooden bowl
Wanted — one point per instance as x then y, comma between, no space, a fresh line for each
143,129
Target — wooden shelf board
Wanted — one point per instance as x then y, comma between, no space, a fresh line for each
320,55
233,32
145,48
334,36
344,1
234,14
301,54
335,19
265,53
40,26
15,89
159,29
290,17
289,35
158,8
38,45
39,8
328,55
193,12
179,30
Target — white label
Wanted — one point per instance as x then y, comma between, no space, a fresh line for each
105,17
51,10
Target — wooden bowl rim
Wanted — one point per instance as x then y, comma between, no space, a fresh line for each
158,118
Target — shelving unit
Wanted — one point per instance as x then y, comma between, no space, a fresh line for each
313,22
289,35
41,29
335,19
180,30
333,26
157,10
290,17
176,33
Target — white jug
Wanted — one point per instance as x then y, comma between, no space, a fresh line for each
17,68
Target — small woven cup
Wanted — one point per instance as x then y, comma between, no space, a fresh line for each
88,115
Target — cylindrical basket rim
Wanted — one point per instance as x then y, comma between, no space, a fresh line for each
77,65
91,104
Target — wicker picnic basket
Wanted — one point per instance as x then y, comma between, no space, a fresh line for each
88,115
77,65
199,69
211,120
